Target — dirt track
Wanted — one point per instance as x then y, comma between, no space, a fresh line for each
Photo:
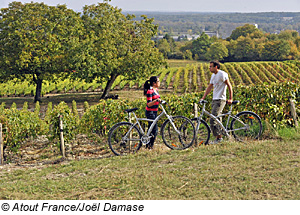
40,152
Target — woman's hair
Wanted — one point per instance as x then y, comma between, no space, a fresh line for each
149,83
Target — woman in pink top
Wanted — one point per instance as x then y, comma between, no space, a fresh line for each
153,99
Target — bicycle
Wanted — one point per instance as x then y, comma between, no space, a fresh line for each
245,126
177,132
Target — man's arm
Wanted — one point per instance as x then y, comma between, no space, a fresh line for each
207,91
230,92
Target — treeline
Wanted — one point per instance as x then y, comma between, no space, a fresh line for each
224,23
246,43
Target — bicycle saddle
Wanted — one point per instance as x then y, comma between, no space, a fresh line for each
131,110
235,102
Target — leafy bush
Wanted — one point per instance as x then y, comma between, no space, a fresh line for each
19,125
99,118
70,122
271,102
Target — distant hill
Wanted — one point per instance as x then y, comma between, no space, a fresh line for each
176,23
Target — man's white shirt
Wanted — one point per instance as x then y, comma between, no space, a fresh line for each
217,80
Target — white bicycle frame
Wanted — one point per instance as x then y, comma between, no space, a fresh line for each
229,114
150,120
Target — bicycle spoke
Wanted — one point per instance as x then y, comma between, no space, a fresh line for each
202,132
246,127
178,134
124,141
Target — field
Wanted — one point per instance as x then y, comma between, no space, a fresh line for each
259,170
181,77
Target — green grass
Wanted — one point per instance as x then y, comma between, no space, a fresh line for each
232,170
289,134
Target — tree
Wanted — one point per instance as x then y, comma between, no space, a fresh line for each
294,53
297,42
171,42
231,46
243,31
188,55
200,45
120,46
276,50
188,45
245,49
164,47
217,51
256,35
288,35
37,42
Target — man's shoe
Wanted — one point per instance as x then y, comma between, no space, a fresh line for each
216,141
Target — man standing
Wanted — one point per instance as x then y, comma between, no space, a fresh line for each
219,81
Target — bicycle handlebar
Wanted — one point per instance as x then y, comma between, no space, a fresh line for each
162,102
201,102
204,102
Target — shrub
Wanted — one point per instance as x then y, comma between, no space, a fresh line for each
70,122
19,125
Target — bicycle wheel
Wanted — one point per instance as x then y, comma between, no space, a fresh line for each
122,141
202,133
183,137
246,127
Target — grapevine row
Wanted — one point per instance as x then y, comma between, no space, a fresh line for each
191,78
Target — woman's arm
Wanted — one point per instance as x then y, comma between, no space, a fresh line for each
150,104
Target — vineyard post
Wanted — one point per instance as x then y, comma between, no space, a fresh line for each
196,115
196,110
1,146
62,142
130,135
294,113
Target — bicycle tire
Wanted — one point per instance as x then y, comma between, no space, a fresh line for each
121,146
203,132
172,139
253,129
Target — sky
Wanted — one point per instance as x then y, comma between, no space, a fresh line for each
243,6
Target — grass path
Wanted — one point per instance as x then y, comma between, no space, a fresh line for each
259,170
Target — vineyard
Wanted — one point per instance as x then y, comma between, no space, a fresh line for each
192,78
263,87
271,102
195,77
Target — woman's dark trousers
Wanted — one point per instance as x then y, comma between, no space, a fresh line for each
152,115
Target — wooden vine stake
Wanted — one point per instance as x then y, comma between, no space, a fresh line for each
196,115
62,142
293,111
130,135
196,109
1,146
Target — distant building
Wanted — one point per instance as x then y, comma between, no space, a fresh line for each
188,36
287,18
276,32
157,38
212,33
